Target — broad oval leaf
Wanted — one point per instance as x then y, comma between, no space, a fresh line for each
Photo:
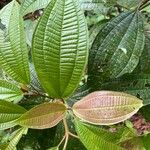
118,46
13,49
29,6
96,138
9,91
43,116
60,47
9,113
106,107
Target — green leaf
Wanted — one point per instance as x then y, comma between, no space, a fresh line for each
43,116
15,139
133,144
3,146
95,30
96,138
106,107
13,49
5,14
145,111
34,79
9,91
9,113
73,143
147,9
81,92
30,26
129,3
144,63
137,84
145,139
96,5
118,46
60,47
53,148
29,6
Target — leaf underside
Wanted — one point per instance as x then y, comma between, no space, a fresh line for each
9,113
16,138
106,107
13,48
95,138
43,116
9,91
29,6
60,47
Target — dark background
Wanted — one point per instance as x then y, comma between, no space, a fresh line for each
3,3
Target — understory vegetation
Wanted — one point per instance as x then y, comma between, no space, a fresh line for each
75,75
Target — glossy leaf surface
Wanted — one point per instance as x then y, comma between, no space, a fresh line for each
60,47
9,91
13,49
106,107
9,113
118,46
43,116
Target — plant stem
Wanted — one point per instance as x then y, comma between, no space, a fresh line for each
145,5
66,133
61,141
73,135
66,142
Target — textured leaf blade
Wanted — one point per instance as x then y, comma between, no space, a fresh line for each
129,3
144,62
29,6
96,5
136,84
43,116
13,49
9,113
118,46
106,107
5,14
9,91
60,47
15,138
34,79
96,138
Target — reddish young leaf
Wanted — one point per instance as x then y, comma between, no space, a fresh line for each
43,116
106,107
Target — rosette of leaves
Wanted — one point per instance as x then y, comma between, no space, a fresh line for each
59,54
